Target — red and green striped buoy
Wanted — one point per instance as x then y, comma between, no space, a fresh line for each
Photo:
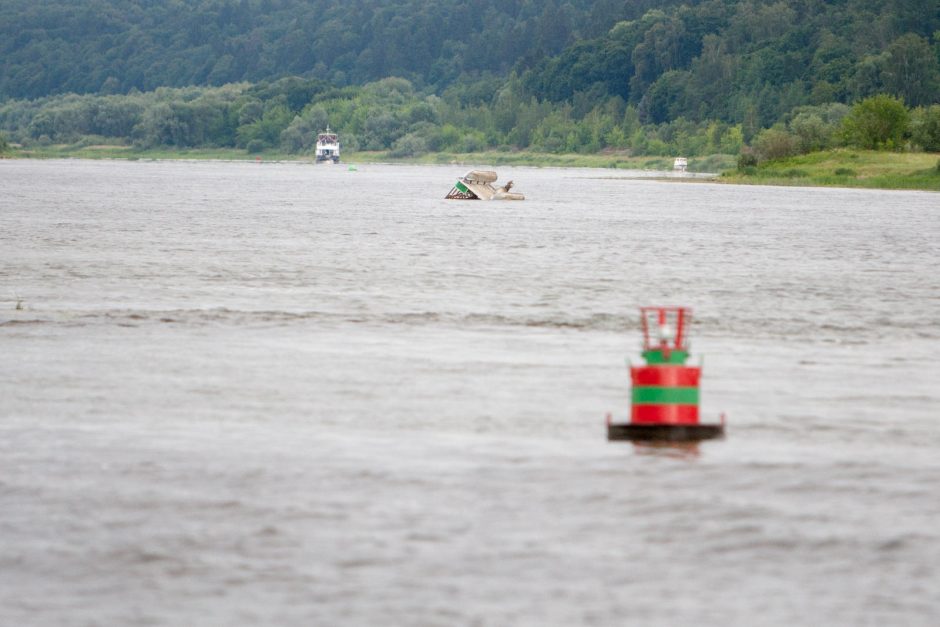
665,396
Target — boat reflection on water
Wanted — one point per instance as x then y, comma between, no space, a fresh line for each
674,450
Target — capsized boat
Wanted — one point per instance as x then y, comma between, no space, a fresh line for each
478,185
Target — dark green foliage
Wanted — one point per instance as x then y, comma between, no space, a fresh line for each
747,160
410,145
266,130
845,172
776,143
649,77
752,62
666,99
729,60
911,71
878,122
925,128
113,46
817,127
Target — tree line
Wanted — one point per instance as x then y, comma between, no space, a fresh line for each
652,77
753,61
744,62
392,115
114,46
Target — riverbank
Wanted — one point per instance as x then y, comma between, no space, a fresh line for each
835,168
612,160
846,168
615,160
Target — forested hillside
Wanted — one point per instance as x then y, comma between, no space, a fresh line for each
751,61
113,46
639,76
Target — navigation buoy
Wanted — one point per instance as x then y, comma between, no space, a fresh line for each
665,395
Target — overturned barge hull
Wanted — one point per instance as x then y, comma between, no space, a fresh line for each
478,185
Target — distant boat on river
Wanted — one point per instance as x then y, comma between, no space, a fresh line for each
327,147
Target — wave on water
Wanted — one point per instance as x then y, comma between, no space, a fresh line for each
139,317
15,322
858,331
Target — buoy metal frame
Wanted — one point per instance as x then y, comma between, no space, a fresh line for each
665,391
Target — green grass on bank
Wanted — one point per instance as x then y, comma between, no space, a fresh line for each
711,163
109,151
847,168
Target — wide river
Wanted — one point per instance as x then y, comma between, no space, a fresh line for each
285,394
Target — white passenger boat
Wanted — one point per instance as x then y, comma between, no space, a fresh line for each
327,147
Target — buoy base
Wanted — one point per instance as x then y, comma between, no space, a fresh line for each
664,432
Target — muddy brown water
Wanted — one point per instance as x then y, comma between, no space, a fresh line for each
280,394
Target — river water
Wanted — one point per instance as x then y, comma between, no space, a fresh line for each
280,394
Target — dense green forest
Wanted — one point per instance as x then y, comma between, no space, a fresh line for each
113,46
691,77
